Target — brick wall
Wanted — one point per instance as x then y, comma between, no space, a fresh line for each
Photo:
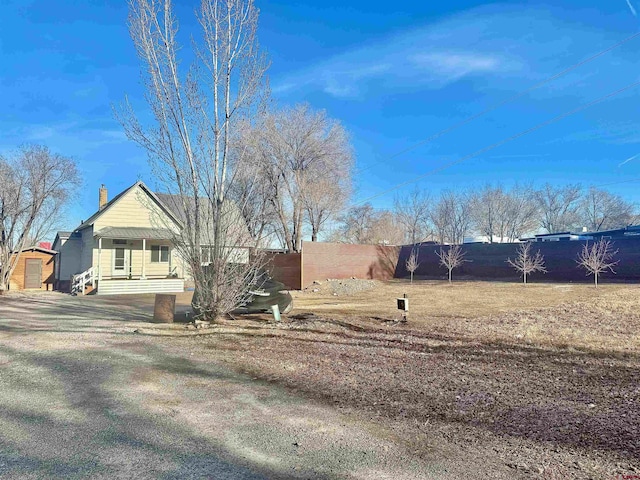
337,260
286,268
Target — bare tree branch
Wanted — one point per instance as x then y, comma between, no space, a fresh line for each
451,257
525,263
597,258
197,116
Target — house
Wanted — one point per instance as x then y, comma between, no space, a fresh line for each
124,247
34,270
630,231
557,237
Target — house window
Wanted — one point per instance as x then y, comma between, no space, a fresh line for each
159,254
119,242
205,254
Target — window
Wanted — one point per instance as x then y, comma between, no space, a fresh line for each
119,242
159,254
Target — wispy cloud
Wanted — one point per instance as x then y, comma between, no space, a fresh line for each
429,57
632,8
630,159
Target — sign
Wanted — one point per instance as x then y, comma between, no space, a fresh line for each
403,304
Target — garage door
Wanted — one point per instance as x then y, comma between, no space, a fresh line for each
33,273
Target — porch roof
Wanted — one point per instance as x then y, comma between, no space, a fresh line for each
135,233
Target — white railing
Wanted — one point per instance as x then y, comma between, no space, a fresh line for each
81,280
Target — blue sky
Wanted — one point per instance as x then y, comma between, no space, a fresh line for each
393,73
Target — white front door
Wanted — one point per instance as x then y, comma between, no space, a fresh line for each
120,267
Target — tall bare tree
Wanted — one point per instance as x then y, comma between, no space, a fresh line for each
522,212
526,263
451,257
196,116
597,258
356,224
385,229
558,207
323,199
412,212
601,210
503,215
365,225
451,217
306,159
35,184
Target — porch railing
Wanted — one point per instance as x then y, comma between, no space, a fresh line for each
80,281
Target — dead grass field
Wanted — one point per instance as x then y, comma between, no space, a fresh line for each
564,315
540,382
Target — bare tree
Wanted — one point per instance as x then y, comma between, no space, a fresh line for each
451,257
364,225
558,207
196,118
251,194
597,258
323,198
35,184
522,212
356,224
601,210
412,212
412,262
385,229
503,215
306,159
525,263
451,217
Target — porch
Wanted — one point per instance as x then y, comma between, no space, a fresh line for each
135,260
118,287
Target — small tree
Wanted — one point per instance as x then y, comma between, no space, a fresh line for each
451,258
412,263
526,263
596,258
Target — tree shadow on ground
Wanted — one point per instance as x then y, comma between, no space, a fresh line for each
63,416
577,399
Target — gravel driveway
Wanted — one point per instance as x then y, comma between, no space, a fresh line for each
83,395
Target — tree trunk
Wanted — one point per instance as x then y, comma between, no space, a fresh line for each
525,279
595,278
411,277
449,275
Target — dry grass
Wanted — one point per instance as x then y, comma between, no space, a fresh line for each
563,315
542,380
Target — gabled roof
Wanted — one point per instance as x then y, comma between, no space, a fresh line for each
39,249
92,219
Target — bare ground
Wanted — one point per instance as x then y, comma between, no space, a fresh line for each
486,380
542,380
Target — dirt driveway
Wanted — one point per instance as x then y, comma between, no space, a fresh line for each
82,394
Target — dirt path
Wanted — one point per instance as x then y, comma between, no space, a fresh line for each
82,395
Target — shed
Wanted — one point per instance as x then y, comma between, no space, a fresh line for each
34,270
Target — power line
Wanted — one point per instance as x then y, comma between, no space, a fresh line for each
618,182
502,142
500,104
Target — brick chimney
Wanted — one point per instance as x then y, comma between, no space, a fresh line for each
102,197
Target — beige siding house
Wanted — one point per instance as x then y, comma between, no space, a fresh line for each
125,247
